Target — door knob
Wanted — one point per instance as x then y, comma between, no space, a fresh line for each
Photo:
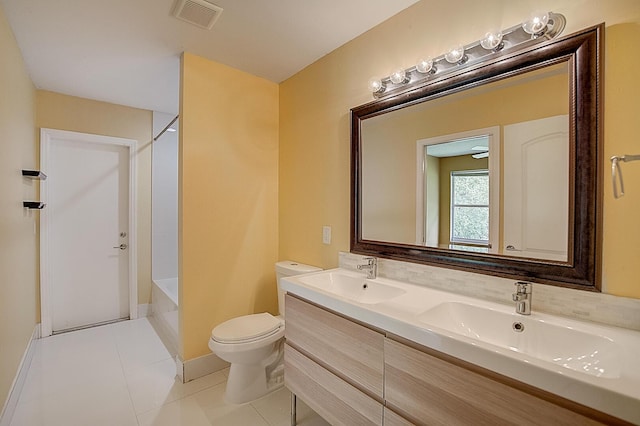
511,248
122,246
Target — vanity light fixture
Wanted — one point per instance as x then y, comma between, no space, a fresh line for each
492,41
538,27
425,65
376,85
456,55
399,76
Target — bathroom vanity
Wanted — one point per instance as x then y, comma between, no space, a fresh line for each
377,355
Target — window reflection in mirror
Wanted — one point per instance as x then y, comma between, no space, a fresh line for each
406,189
469,208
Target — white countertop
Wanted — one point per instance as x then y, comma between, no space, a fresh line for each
617,393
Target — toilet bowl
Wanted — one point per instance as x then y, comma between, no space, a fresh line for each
253,345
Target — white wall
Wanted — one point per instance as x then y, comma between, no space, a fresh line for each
164,200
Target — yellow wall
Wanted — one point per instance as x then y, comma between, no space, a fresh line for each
228,206
18,239
621,250
56,111
315,103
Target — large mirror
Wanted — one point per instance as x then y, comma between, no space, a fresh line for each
493,169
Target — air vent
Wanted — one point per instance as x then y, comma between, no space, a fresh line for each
200,13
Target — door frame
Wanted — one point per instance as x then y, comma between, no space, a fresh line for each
46,137
494,135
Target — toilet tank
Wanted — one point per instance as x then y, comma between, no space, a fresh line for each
288,268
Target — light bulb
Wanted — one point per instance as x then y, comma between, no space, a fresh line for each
425,65
455,55
376,85
536,24
492,41
399,76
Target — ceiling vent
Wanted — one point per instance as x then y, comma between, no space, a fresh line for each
200,13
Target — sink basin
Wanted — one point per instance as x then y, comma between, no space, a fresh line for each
353,286
560,344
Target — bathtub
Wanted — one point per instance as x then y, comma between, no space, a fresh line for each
169,286
164,311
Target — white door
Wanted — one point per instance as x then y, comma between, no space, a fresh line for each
536,188
86,229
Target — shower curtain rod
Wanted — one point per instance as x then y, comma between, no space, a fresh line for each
166,128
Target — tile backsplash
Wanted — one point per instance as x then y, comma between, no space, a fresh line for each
578,304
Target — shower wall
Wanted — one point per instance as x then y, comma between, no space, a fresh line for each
164,203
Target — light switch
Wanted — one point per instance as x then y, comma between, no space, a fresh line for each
326,235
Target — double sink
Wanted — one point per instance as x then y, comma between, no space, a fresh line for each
572,358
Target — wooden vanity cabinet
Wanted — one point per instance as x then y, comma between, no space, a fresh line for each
334,364
428,388
333,398
393,419
351,374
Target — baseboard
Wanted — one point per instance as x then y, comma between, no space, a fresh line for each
144,310
168,336
18,382
199,367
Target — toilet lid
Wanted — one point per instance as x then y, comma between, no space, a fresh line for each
247,327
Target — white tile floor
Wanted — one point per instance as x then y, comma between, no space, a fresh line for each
121,374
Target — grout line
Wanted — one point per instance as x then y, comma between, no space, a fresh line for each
261,416
124,374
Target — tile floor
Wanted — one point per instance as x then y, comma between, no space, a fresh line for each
121,374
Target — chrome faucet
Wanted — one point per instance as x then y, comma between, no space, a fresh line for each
522,297
371,267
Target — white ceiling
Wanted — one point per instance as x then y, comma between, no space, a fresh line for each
127,51
454,148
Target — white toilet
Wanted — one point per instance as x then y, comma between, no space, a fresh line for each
253,345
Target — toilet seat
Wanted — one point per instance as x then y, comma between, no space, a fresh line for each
248,328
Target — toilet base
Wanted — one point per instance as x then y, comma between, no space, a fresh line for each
249,382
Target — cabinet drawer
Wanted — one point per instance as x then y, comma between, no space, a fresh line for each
335,400
430,390
392,419
350,350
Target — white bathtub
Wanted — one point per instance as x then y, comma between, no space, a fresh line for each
169,287
164,308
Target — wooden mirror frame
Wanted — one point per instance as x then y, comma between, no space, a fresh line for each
583,51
